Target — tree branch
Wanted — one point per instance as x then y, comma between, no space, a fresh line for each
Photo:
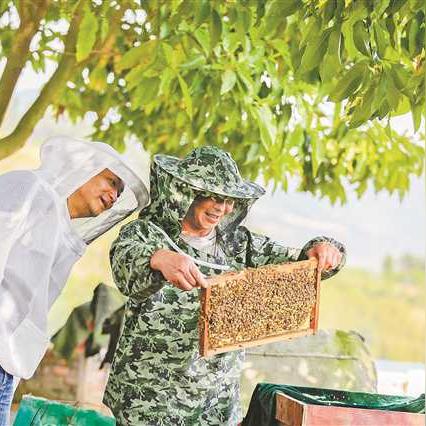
17,139
30,14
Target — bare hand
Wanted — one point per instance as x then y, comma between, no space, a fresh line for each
327,255
178,269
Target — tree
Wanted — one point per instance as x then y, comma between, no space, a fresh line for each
290,87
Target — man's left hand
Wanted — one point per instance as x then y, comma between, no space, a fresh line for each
328,256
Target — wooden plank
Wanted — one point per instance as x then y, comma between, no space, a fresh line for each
204,332
289,411
315,309
280,267
319,415
258,342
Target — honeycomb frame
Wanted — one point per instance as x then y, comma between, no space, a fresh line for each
227,297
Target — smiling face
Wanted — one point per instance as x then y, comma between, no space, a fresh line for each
205,214
96,195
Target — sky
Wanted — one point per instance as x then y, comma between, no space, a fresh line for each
371,228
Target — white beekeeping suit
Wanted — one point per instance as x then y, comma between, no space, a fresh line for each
39,243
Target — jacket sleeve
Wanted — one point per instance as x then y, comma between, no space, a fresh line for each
261,250
130,256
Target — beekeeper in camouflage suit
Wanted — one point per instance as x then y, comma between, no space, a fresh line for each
191,229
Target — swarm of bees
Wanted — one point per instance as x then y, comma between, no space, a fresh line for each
259,303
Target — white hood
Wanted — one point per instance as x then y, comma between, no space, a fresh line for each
68,163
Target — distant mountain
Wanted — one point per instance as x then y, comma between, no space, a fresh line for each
371,228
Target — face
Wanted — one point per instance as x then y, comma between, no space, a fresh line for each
96,195
205,214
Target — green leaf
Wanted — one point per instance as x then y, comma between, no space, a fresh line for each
98,79
168,54
276,12
357,11
394,6
286,113
380,38
245,76
361,38
401,78
348,40
364,110
350,83
86,34
314,52
242,26
403,107
285,8
267,125
143,54
380,7
215,29
135,76
329,10
391,27
195,62
380,95
186,95
316,154
362,187
383,109
229,78
416,112
104,28
252,153
331,63
311,31
392,94
202,11
412,35
295,138
166,80
203,38
244,20
231,41
146,92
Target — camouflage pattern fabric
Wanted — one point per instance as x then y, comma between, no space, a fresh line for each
157,376
211,169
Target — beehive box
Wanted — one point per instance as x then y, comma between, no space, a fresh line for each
259,306
292,412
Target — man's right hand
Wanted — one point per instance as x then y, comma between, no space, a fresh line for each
178,269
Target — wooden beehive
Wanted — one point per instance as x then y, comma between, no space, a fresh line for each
258,306
292,412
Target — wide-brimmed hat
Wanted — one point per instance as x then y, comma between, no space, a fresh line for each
210,169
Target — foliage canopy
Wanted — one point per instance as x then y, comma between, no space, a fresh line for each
290,87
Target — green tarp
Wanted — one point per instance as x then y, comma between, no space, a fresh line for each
261,411
42,412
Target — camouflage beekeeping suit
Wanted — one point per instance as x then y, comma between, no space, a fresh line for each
157,376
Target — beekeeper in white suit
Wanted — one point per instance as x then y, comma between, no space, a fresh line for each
47,218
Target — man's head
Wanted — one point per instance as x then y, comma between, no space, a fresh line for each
95,196
205,214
